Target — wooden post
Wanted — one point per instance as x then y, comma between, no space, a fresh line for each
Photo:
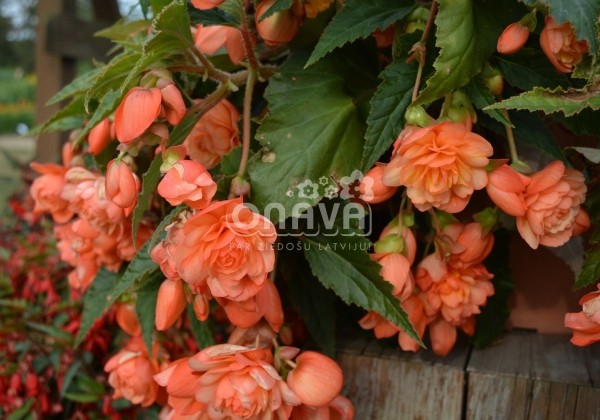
53,72
62,39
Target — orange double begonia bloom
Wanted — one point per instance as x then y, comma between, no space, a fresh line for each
455,292
228,381
585,324
227,247
131,373
187,182
47,192
440,165
215,134
553,200
266,303
561,46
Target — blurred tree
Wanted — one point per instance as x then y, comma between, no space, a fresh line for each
18,22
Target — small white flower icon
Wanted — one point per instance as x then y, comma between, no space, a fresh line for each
331,191
308,189
289,193
323,180
351,186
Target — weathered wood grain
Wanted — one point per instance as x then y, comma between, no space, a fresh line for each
524,376
386,383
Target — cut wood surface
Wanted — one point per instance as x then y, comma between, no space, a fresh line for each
523,376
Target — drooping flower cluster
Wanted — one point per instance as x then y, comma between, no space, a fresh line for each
92,230
223,251
449,287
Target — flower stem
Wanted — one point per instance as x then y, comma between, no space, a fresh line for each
209,69
422,50
210,101
246,122
516,163
247,39
446,105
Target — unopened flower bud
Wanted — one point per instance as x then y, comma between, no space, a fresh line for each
316,379
281,27
170,303
513,38
417,116
372,188
492,79
487,218
392,243
239,187
122,185
100,136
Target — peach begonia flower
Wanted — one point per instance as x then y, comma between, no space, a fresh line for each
281,27
585,324
206,4
339,409
136,113
121,184
561,46
215,134
266,303
316,379
313,7
227,247
553,199
47,190
512,38
86,192
187,182
100,136
372,188
210,39
441,165
127,318
455,292
170,304
506,188
228,381
131,373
